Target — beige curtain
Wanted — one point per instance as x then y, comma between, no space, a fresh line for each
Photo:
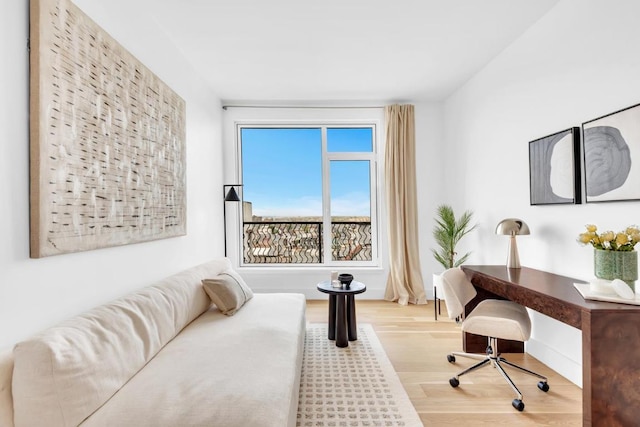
404,283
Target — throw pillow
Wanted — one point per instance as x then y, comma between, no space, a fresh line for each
228,291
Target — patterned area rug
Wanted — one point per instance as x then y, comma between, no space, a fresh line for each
352,386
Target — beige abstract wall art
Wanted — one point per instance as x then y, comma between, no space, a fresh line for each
107,139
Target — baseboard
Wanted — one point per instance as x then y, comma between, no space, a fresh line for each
565,366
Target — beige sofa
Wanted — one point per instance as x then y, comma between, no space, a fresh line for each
161,356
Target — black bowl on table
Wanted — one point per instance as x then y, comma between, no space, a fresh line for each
345,279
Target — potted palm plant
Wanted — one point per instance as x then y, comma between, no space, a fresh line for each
447,232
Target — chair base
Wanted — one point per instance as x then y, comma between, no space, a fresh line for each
492,358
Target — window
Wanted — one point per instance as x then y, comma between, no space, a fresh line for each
309,194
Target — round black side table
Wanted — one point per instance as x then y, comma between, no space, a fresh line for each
342,311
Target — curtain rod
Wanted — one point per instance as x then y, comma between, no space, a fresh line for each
224,107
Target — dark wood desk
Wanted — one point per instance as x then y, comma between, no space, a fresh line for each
610,336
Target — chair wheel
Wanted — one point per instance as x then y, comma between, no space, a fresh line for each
451,358
517,403
542,385
454,382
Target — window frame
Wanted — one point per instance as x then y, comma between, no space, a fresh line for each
374,182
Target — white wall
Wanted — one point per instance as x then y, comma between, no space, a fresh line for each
34,293
433,177
577,63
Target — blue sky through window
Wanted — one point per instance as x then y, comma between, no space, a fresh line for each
349,139
350,194
282,171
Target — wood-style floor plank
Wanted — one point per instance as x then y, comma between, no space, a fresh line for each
417,346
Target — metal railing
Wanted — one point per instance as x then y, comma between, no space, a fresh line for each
278,242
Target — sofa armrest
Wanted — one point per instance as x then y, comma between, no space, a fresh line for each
6,402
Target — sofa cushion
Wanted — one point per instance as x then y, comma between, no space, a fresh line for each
63,374
231,371
228,291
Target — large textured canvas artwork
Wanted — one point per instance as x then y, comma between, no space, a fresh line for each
611,146
554,168
107,139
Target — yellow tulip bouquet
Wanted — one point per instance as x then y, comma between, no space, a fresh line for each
609,241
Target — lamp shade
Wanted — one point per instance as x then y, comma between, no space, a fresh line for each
512,227
231,196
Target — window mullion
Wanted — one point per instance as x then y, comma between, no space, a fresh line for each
326,201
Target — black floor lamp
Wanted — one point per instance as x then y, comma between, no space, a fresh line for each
229,196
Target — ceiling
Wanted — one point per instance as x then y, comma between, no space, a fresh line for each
341,50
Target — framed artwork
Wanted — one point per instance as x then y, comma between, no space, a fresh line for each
611,146
554,168
107,139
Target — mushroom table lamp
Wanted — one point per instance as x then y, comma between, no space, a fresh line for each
512,227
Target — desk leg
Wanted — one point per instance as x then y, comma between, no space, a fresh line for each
341,322
351,318
610,366
332,317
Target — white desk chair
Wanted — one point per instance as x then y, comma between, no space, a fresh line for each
496,319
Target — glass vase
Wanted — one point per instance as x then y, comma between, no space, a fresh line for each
621,265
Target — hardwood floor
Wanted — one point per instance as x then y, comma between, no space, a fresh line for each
417,346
